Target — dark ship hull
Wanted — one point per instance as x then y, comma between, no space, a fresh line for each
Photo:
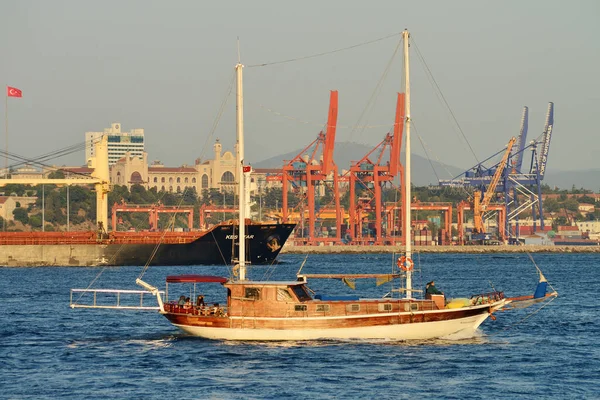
217,246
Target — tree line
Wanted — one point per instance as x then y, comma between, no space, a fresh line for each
82,204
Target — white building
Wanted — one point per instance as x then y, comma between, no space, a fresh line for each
119,143
218,173
592,228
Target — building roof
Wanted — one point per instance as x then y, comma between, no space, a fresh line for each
171,170
568,228
78,170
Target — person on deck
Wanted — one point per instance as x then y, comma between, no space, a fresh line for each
188,303
431,289
181,301
200,301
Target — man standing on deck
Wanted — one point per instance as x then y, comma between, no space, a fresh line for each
431,289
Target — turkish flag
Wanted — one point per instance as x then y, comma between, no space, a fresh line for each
13,92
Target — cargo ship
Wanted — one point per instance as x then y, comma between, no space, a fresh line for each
215,246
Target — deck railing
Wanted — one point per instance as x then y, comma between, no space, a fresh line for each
113,299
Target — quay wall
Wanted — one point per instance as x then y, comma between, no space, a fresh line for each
439,249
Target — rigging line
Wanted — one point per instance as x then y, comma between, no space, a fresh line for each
122,246
44,157
444,98
219,114
90,285
377,89
270,270
54,154
161,240
526,317
423,143
48,156
426,153
444,166
320,124
540,271
325,53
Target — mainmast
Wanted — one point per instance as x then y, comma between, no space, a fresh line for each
240,174
407,184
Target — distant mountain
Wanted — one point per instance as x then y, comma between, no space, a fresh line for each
422,171
587,179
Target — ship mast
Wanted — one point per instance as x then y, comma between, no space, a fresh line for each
407,184
240,174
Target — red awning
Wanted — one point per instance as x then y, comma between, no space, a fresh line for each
195,279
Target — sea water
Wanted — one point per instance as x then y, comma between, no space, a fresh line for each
50,351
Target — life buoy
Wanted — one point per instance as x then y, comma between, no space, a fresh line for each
405,263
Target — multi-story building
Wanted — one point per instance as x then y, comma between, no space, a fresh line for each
217,173
119,143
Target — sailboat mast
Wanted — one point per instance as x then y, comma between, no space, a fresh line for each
240,173
407,180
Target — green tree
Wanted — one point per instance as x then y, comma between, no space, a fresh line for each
35,221
20,214
571,204
56,175
15,188
551,205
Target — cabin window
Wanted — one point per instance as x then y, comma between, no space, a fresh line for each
283,295
353,307
323,307
300,307
411,307
252,293
301,293
384,307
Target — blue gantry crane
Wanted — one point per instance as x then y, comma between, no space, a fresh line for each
522,189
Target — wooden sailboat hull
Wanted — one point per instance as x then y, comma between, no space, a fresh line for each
422,325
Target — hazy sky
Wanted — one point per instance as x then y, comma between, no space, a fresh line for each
166,66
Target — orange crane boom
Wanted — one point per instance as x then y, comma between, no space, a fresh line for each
480,206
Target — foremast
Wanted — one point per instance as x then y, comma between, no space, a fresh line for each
407,184
240,173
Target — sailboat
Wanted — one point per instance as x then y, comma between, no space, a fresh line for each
288,310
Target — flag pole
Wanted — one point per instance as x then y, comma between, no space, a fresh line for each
6,153
6,132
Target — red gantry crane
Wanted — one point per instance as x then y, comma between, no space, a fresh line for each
368,177
311,167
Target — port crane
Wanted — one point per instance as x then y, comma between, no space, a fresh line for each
529,185
368,176
480,204
516,185
310,168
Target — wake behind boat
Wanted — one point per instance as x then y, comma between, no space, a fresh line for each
288,310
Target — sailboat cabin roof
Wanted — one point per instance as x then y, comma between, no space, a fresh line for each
267,283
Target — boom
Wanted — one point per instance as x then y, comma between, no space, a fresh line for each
522,139
546,140
479,207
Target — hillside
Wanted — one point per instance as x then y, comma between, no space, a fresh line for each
422,171
587,179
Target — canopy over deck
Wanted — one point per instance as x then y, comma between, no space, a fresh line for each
195,279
